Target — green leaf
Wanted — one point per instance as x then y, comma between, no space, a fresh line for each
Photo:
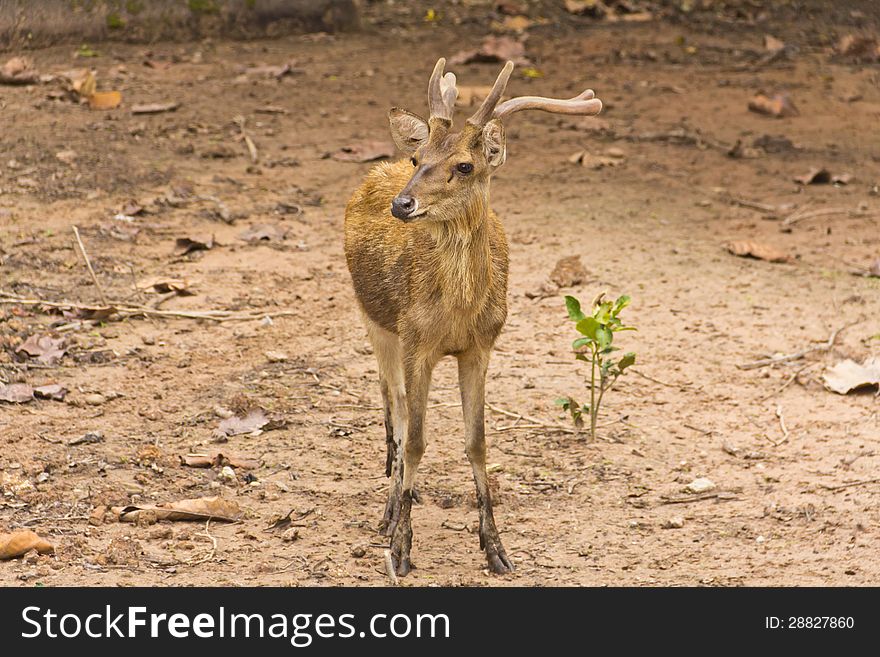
563,401
628,359
587,326
622,302
604,336
602,312
581,357
573,306
581,342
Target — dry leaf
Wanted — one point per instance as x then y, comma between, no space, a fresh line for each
817,176
18,70
848,375
105,100
16,393
264,233
83,83
778,105
365,151
21,542
235,425
569,272
164,285
759,250
494,49
45,348
203,508
155,108
184,245
212,458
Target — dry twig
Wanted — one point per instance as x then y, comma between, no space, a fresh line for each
826,346
85,257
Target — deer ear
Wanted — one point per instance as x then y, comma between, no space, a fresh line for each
494,143
408,130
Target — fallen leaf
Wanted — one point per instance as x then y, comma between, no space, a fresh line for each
83,83
494,49
772,44
203,508
778,106
759,250
264,233
365,151
16,393
255,420
184,245
45,348
848,375
213,458
164,285
18,70
105,100
817,176
53,391
155,108
21,542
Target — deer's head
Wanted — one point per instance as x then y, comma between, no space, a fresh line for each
451,170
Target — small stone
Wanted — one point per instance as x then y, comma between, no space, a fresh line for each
358,551
95,399
675,522
701,485
43,476
615,152
227,475
760,540
290,535
276,356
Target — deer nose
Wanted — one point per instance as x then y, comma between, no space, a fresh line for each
403,206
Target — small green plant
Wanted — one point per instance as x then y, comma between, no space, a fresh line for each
595,347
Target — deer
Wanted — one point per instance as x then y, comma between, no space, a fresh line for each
428,260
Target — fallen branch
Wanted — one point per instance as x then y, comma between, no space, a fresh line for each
788,381
85,257
764,362
799,215
785,432
719,495
129,311
851,484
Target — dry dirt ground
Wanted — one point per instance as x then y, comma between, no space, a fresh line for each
571,512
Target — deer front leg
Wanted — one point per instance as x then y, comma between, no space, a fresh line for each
472,382
417,379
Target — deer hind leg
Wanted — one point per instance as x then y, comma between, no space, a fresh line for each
472,382
386,347
417,379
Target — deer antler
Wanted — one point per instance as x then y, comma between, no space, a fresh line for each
442,92
585,104
484,114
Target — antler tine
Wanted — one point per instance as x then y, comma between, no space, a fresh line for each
484,114
440,89
585,104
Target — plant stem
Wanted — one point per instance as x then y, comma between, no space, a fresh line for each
593,413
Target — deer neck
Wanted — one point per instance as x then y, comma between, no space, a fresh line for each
462,255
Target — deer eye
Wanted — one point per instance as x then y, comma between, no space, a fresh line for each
464,167
414,161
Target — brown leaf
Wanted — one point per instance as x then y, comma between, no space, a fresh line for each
105,100
778,105
759,250
155,108
164,285
253,421
21,542
16,393
264,233
203,508
848,375
184,245
365,151
82,82
817,176
53,391
18,70
494,49
213,458
45,348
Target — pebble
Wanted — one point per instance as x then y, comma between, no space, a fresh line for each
290,535
276,356
95,399
701,485
227,474
675,522
358,551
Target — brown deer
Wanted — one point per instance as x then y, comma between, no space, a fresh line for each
428,260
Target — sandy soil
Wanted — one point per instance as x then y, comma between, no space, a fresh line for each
571,512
